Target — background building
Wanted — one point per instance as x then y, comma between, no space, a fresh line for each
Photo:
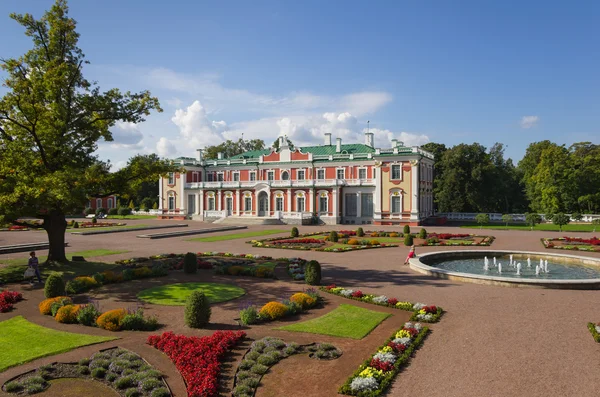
338,183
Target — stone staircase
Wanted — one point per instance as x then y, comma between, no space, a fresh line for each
233,220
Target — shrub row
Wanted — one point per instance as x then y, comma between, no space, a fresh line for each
273,310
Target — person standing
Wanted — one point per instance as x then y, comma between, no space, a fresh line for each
411,254
34,263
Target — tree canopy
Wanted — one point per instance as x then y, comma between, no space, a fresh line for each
51,120
231,148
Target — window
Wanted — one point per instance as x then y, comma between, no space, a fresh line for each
396,204
236,176
109,203
321,174
351,204
323,205
270,175
279,204
253,176
366,204
300,204
285,176
340,173
362,173
210,177
171,202
98,203
248,204
171,180
220,177
396,171
211,203
300,174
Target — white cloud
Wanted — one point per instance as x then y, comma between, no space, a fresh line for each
196,129
165,148
529,121
127,135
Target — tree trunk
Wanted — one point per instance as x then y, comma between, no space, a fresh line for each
55,225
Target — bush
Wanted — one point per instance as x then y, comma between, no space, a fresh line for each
295,232
124,382
67,314
45,306
360,232
124,211
111,320
137,322
197,310
190,263
127,274
80,284
374,242
100,211
423,234
113,211
94,220
75,225
408,240
304,300
160,392
88,211
132,392
87,315
394,234
273,311
55,285
99,277
249,315
353,241
333,236
312,273
13,387
406,229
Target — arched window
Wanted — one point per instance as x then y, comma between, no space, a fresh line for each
323,202
98,203
171,201
396,202
109,203
285,176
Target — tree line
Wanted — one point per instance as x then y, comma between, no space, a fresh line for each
550,179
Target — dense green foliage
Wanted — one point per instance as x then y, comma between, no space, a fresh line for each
423,233
190,263
560,220
231,148
360,232
408,239
197,310
406,229
482,219
295,232
55,285
312,273
333,236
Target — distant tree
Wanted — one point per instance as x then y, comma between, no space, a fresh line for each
577,216
560,219
532,219
507,218
231,148
482,219
438,150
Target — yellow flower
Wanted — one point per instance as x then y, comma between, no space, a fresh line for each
403,334
371,372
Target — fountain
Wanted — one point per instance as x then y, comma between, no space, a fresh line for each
537,270
519,269
499,267
528,261
546,266
494,261
511,260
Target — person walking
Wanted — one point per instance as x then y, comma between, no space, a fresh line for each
34,263
411,254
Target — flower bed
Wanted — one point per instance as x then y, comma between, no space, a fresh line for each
297,303
126,372
268,351
198,359
421,312
8,299
573,243
376,374
456,239
100,224
595,331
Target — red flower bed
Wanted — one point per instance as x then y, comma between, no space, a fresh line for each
330,287
197,359
7,299
398,347
299,241
17,227
430,309
413,331
99,224
382,365
348,232
593,241
446,236
357,294
392,301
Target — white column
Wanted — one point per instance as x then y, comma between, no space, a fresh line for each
358,206
311,200
414,193
237,203
201,203
289,201
377,194
182,180
160,193
220,199
334,196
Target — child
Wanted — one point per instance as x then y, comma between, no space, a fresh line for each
411,254
34,264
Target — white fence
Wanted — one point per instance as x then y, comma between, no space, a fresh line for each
470,216
148,212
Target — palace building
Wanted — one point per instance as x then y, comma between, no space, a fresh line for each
332,184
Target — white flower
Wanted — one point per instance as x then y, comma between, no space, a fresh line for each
425,317
598,328
381,299
346,292
363,384
416,326
418,306
386,357
402,341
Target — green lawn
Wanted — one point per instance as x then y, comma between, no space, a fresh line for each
131,217
576,227
345,321
23,341
42,258
176,294
235,236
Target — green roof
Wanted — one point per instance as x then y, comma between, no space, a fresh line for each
315,150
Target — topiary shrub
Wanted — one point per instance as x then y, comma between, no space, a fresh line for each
94,220
360,232
406,229
295,232
124,211
75,225
312,273
190,263
333,236
55,285
423,233
113,211
197,310
408,240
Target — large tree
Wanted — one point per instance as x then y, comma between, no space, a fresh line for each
231,148
51,120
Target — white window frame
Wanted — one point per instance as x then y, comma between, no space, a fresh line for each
171,195
324,174
323,195
235,176
298,209
252,176
366,170
109,203
282,172
277,201
248,195
220,176
270,175
400,197
171,179
98,203
337,170
392,172
303,171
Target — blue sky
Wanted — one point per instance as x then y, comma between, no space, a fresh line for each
514,72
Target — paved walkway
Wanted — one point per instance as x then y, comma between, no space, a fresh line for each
492,341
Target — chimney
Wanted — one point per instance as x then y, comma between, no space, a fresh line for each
327,139
338,145
220,156
369,139
394,143
199,154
